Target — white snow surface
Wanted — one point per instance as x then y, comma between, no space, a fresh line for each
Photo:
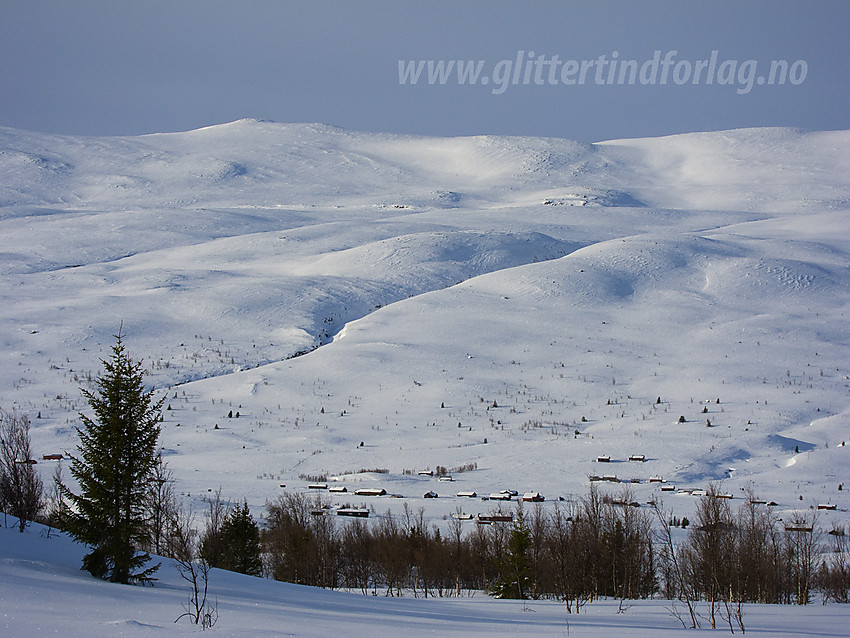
43,592
537,294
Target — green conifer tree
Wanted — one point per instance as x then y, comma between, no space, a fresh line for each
117,454
240,542
514,579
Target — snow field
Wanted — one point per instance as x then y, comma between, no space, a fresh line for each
422,279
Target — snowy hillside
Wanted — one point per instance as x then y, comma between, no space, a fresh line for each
44,592
514,305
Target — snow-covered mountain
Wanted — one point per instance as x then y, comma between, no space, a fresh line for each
515,305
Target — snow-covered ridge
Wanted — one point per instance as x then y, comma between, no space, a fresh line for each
218,162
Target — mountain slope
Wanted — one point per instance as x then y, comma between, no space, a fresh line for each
519,305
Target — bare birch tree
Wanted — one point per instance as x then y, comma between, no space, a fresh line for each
21,487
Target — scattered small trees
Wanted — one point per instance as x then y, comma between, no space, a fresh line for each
117,455
21,487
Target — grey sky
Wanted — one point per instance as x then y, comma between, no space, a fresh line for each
112,68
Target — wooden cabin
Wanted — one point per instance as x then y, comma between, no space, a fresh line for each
496,518
791,527
370,491
351,511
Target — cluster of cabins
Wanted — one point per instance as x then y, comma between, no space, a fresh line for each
503,495
604,458
612,478
366,491
528,497
46,457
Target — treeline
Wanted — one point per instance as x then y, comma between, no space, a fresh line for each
595,547
574,552
750,555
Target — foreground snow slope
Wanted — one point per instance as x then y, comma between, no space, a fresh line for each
512,305
43,592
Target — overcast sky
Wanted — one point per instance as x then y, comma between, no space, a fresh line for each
126,68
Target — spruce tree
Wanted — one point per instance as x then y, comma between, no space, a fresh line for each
117,455
514,579
240,541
